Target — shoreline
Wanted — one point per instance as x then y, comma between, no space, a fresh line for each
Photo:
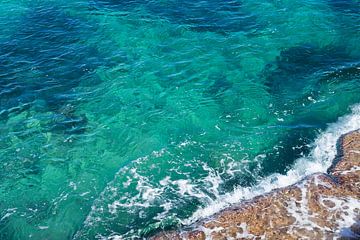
321,205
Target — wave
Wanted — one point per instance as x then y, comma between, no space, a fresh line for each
167,195
324,150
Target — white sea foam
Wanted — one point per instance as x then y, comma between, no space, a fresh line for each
149,193
319,160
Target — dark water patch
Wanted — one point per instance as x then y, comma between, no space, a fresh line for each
341,74
209,15
295,143
46,59
345,6
218,84
298,67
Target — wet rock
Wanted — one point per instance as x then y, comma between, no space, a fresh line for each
320,206
168,236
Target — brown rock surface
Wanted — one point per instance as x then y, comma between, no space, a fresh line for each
322,206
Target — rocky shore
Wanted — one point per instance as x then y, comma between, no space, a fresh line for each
321,206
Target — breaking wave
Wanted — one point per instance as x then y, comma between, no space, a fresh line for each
319,159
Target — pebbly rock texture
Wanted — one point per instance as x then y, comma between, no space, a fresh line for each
322,206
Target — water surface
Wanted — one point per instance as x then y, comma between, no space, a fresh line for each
121,118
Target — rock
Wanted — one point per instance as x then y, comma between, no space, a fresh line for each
321,206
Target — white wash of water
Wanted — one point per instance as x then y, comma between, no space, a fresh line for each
319,160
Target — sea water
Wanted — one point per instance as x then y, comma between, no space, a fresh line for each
122,118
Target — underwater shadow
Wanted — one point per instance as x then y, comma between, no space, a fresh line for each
300,66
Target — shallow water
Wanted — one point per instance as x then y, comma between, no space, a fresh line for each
120,118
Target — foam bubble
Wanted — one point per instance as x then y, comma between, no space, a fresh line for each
319,160
116,200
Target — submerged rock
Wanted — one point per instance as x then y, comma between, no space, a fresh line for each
299,66
321,206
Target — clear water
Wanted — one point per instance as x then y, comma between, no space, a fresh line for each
120,118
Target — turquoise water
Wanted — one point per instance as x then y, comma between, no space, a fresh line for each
121,118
